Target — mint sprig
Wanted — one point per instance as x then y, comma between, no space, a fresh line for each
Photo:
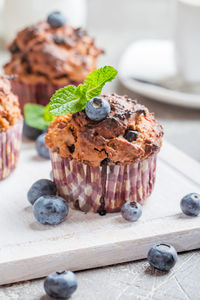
37,116
72,99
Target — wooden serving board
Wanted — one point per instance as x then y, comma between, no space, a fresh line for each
30,250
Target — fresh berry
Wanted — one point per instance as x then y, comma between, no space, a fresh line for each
31,132
50,210
60,284
56,19
42,187
97,108
131,211
131,135
190,204
162,257
40,146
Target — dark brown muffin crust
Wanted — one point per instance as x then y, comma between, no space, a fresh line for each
107,141
9,106
44,54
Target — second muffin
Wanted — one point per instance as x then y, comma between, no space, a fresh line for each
47,56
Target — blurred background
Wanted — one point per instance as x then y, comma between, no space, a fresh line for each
115,25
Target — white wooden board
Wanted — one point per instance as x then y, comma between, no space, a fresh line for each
30,250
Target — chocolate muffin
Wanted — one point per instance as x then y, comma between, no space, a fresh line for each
10,128
97,166
45,57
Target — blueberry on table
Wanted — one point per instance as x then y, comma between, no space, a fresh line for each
41,148
60,284
190,204
31,132
97,108
42,187
131,135
56,19
131,211
50,210
162,257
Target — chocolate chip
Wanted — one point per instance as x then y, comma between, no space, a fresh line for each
140,112
62,40
13,48
71,148
62,125
102,212
131,135
79,32
105,161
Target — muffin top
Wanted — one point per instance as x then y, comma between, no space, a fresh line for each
9,106
128,134
45,54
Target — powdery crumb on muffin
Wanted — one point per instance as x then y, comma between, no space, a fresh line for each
77,137
9,106
60,56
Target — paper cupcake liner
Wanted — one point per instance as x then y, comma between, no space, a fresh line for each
103,188
39,93
10,142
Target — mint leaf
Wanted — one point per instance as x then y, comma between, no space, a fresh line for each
97,79
35,116
67,100
72,99
47,115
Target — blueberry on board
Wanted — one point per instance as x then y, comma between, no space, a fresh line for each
41,148
131,135
162,257
190,204
50,210
42,187
131,211
31,132
97,108
60,284
56,19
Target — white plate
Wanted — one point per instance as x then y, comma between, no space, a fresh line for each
153,61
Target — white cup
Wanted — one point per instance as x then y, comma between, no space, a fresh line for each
17,14
187,40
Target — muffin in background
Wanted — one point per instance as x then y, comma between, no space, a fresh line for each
99,165
47,56
10,129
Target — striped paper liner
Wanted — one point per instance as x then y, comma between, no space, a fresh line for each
103,188
39,93
10,142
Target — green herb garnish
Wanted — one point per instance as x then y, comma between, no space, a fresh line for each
72,99
37,116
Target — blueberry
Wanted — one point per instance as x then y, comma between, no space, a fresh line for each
50,210
97,108
56,19
162,257
131,135
42,187
60,284
131,211
190,204
31,132
40,146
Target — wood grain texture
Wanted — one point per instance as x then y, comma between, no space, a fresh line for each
30,250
